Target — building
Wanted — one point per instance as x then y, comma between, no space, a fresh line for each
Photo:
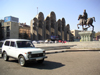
11,19
11,30
2,22
67,33
11,27
24,31
39,29
98,38
75,34
42,29
1,29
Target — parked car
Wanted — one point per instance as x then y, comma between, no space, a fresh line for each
50,41
1,43
46,41
34,42
40,41
23,50
63,41
59,41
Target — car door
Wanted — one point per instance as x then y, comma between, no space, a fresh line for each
12,49
6,47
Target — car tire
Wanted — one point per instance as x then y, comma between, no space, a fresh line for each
40,61
5,57
22,61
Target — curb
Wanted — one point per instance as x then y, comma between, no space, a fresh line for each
69,50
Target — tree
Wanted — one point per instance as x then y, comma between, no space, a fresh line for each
25,35
96,34
1,35
20,36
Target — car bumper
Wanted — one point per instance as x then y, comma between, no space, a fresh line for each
36,58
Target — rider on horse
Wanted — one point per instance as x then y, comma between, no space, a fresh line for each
85,16
84,20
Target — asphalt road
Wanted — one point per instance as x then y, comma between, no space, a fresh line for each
65,63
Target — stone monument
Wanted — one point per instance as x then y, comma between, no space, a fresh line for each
87,35
87,22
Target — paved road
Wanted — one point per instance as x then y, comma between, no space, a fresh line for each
65,63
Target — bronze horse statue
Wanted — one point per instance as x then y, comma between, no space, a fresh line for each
87,22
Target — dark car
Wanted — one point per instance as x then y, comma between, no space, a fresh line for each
1,43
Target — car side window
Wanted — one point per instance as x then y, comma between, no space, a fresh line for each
12,44
7,43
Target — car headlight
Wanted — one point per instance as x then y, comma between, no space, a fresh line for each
29,54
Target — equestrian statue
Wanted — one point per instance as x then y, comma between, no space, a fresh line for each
84,20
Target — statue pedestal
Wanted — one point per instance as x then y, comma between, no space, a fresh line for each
87,35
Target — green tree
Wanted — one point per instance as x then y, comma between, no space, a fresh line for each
20,35
25,35
1,35
96,34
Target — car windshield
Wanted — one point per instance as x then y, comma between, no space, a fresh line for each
22,44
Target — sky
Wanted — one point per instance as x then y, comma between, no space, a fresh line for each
26,10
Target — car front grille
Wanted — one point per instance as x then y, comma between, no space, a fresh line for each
36,55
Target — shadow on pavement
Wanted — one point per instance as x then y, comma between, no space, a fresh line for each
1,57
45,65
14,60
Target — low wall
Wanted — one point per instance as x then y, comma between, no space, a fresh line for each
74,45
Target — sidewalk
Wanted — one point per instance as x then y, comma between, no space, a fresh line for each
70,46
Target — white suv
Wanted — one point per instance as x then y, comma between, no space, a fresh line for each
23,50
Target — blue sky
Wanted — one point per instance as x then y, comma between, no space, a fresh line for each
26,10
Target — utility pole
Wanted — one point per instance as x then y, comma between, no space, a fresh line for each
37,10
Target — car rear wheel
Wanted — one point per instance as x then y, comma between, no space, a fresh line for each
22,61
6,58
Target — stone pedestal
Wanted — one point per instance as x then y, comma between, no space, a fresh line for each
87,35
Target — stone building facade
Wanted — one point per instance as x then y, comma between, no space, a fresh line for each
42,29
11,30
24,31
76,34
14,30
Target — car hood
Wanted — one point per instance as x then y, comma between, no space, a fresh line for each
33,50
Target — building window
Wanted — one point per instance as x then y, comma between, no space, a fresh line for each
8,23
8,28
8,34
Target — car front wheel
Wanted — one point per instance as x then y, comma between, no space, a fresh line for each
22,61
6,58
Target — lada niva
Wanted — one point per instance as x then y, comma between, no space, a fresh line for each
23,50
